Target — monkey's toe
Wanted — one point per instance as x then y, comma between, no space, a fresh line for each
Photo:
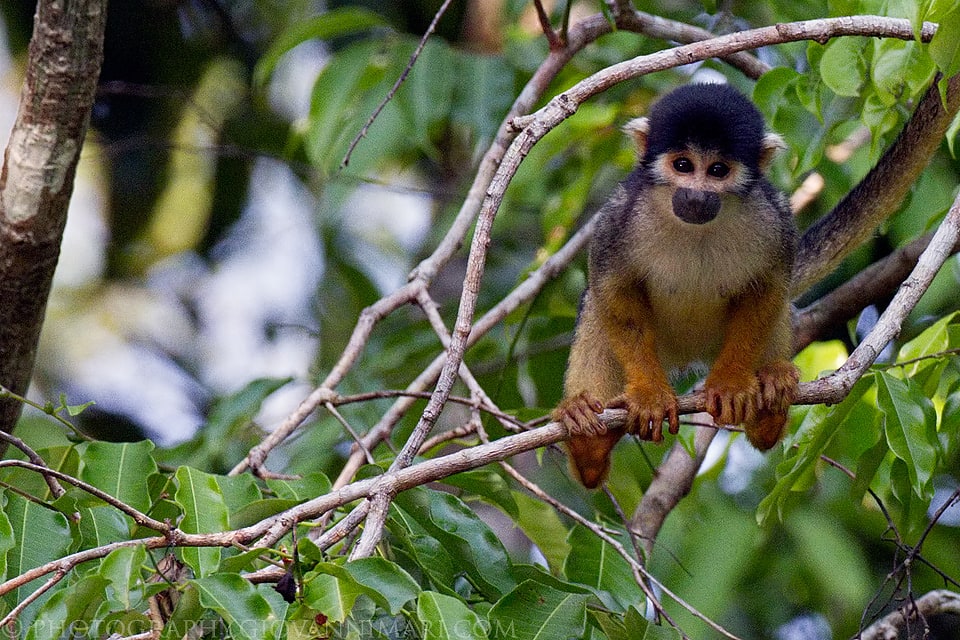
647,413
579,415
778,386
733,404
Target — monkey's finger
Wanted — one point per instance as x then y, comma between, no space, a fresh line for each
657,423
673,419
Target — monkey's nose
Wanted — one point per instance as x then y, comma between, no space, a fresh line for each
695,206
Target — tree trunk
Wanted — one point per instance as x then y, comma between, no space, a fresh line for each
36,180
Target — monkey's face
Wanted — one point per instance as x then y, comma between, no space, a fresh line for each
698,179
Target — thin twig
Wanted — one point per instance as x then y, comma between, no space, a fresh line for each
140,518
396,85
55,489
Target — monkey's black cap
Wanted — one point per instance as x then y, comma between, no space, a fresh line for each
714,117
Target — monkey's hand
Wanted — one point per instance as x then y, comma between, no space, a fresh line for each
733,396
647,407
579,415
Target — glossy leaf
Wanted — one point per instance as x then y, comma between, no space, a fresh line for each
122,571
390,586
300,489
41,535
443,617
330,596
69,610
120,469
236,600
842,66
487,484
595,563
204,511
910,427
463,535
536,611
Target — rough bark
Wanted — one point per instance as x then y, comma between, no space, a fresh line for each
36,181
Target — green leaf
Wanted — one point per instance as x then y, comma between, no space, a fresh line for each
304,488
534,610
121,570
595,563
238,409
910,427
386,583
933,340
330,596
102,525
945,46
464,537
487,484
483,93
842,66
335,23
868,464
187,614
65,613
45,536
239,491
541,523
7,539
257,511
443,617
426,95
204,511
120,469
832,559
809,442
236,600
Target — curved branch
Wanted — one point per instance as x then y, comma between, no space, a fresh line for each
874,283
932,603
825,244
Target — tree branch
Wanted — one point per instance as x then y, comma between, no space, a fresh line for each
36,180
825,244
932,603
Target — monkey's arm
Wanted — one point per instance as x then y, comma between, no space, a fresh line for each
613,360
647,395
825,244
752,381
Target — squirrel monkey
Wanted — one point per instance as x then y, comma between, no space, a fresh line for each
690,264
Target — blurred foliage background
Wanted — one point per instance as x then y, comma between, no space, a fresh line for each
219,252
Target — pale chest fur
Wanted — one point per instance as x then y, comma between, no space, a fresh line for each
691,273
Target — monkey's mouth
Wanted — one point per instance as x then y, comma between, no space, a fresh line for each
695,206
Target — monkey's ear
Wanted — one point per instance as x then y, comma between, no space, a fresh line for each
772,143
638,128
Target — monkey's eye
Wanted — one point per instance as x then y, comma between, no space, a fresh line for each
683,165
718,170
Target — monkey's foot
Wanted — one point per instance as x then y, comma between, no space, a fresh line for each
778,386
590,456
646,411
579,415
732,398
